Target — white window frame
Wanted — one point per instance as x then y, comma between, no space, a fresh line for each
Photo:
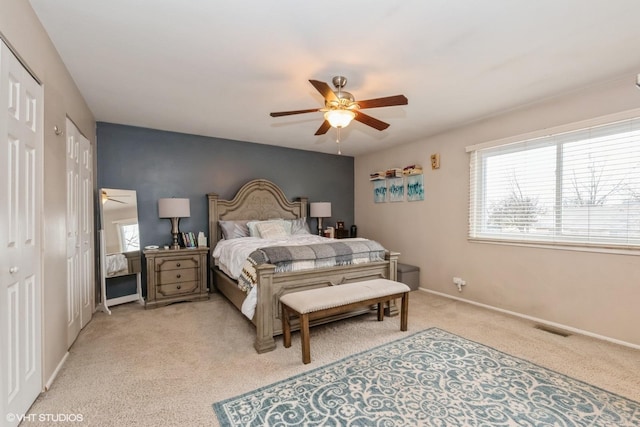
533,139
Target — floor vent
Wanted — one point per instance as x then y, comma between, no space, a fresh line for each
553,330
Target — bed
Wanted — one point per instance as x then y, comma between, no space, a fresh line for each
262,200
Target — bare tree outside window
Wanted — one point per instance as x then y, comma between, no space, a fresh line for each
516,211
590,190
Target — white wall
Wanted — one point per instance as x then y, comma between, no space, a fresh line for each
22,29
594,292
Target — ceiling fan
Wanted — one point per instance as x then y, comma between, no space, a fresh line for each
340,107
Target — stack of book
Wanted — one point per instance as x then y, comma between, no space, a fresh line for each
189,239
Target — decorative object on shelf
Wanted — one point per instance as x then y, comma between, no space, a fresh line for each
374,176
320,210
412,170
174,209
341,233
415,188
393,173
202,239
330,232
354,231
339,225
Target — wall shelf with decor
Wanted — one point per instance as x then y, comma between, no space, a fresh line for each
398,185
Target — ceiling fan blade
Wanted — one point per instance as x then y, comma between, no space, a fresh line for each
370,121
324,127
117,201
384,102
289,113
324,90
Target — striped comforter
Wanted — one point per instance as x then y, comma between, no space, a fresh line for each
308,257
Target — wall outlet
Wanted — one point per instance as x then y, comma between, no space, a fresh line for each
435,161
459,282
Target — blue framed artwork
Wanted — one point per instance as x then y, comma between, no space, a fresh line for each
415,188
395,187
380,191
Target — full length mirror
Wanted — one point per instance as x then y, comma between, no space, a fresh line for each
119,219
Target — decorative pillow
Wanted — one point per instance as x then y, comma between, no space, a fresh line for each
234,229
271,230
252,225
299,226
253,231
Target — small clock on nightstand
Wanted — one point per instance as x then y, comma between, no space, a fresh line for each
175,275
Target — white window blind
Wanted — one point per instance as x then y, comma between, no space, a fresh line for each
575,188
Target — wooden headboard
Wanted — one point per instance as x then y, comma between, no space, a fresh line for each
259,199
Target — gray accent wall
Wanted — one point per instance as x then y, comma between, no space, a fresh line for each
161,164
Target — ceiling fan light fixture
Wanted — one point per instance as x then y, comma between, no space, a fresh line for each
339,118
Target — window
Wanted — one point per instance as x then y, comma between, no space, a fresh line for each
580,187
128,235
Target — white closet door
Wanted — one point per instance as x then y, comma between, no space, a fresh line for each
80,263
73,235
87,272
21,165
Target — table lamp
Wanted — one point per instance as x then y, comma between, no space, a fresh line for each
174,209
320,210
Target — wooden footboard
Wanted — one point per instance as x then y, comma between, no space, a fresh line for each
271,286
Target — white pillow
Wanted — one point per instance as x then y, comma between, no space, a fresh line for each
299,226
271,230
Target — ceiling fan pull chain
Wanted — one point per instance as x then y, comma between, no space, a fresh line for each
338,142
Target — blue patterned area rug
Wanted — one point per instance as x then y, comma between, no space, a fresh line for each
430,378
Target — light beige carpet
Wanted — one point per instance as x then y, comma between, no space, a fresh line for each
166,367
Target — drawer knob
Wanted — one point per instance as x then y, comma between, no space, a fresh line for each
178,276
179,287
178,265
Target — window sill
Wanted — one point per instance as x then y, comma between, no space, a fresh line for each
559,246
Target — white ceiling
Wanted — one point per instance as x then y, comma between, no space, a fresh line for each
217,68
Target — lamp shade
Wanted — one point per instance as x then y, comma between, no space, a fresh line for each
320,210
339,118
174,208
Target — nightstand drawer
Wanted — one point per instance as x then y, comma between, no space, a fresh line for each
174,276
173,289
174,264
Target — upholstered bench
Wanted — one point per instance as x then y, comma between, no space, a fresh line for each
324,302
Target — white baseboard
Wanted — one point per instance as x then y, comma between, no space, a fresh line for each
47,386
537,320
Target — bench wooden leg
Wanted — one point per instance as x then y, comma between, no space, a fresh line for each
404,312
380,311
304,337
286,327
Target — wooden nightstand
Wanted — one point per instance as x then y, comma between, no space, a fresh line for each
175,275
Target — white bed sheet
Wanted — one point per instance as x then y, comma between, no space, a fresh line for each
116,264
